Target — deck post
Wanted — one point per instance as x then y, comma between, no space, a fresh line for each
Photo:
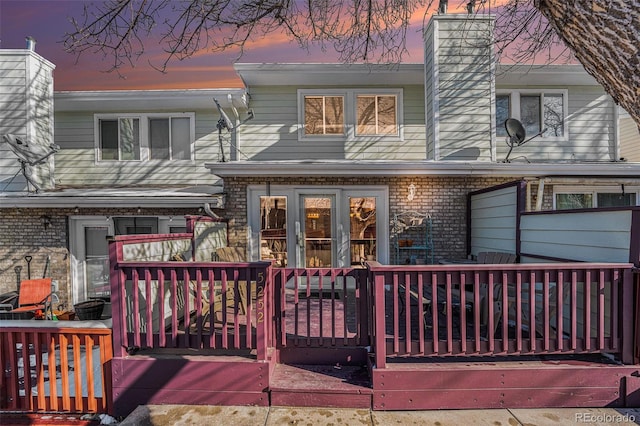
627,314
117,298
263,298
379,334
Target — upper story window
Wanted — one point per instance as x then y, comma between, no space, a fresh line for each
144,137
349,114
376,115
324,115
538,111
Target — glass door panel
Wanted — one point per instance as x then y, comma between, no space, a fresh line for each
273,229
97,262
318,219
362,229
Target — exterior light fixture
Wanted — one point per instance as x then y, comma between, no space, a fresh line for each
412,192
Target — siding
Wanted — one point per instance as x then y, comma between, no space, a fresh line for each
461,89
26,102
629,140
493,220
598,236
76,161
590,123
273,133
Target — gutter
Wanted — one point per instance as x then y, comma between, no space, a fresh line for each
421,168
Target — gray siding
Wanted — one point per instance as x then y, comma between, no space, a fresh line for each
599,236
273,133
462,88
629,140
26,102
76,161
493,221
591,129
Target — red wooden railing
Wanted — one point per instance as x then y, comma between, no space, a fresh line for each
196,305
55,367
319,307
427,314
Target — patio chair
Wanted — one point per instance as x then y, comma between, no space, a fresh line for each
34,295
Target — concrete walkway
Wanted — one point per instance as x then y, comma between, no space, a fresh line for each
181,415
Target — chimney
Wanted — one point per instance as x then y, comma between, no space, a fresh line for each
31,43
460,87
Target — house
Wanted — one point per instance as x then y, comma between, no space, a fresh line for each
311,165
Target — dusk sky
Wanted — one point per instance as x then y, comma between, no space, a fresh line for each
48,20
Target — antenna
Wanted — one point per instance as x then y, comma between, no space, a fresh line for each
224,122
517,135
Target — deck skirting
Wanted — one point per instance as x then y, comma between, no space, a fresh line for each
485,385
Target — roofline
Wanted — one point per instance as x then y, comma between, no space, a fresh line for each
72,201
322,74
106,100
418,168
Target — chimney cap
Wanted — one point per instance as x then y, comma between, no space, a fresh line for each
31,43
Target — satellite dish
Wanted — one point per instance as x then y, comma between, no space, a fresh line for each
517,135
224,122
29,155
515,130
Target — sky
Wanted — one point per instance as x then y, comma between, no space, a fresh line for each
48,20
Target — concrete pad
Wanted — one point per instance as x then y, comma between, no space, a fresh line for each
318,416
444,418
196,415
577,416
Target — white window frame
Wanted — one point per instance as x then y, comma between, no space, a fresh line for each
145,149
342,231
514,107
350,105
594,191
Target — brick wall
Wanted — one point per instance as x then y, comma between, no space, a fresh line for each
444,198
22,233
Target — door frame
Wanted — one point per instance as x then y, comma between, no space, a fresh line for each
343,193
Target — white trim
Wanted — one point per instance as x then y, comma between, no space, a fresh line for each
594,190
341,193
419,168
350,108
145,150
436,90
514,108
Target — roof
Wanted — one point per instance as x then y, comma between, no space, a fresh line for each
113,100
325,74
193,196
427,167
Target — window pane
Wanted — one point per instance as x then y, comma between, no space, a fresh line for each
313,115
181,138
530,114
334,115
97,261
362,213
109,139
616,200
159,138
502,113
366,115
273,229
573,201
387,122
129,139
376,115
553,115
135,225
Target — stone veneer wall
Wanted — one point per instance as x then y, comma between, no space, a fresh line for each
22,234
445,198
